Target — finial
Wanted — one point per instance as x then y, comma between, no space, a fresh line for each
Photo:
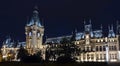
42,23
111,26
27,20
117,22
84,22
90,21
36,7
72,32
101,27
75,30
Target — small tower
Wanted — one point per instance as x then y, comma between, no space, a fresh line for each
34,33
111,31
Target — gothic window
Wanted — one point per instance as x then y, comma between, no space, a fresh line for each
87,48
104,48
100,56
115,48
115,56
111,47
97,57
88,56
98,40
104,56
101,40
92,56
96,48
83,57
100,48
110,56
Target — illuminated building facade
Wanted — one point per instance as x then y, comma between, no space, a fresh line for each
10,49
34,40
34,35
93,45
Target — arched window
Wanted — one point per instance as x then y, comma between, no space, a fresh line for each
104,48
100,48
115,48
96,48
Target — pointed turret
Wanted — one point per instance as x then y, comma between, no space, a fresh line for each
90,21
34,33
75,30
84,22
112,27
117,27
101,27
35,18
111,31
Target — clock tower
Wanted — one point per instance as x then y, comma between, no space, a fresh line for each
34,34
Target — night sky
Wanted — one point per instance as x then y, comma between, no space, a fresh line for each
60,17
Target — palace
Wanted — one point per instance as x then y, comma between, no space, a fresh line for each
93,45
34,40
34,35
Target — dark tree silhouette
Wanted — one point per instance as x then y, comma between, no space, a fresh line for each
69,48
36,58
22,53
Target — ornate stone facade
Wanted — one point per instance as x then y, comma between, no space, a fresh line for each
94,46
34,35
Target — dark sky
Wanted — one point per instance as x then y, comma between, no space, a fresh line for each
60,17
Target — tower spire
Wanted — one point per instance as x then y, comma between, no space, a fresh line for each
36,7
90,21
84,22
27,20
111,26
75,30
101,27
117,23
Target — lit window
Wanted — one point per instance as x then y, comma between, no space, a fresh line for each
98,40
87,36
101,40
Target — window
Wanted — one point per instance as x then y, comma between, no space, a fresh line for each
100,56
87,48
88,56
101,40
112,47
97,57
100,48
96,48
104,56
115,56
104,49
98,40
92,56
115,48
113,40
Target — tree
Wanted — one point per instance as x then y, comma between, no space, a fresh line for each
22,53
36,58
0,56
69,49
64,40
